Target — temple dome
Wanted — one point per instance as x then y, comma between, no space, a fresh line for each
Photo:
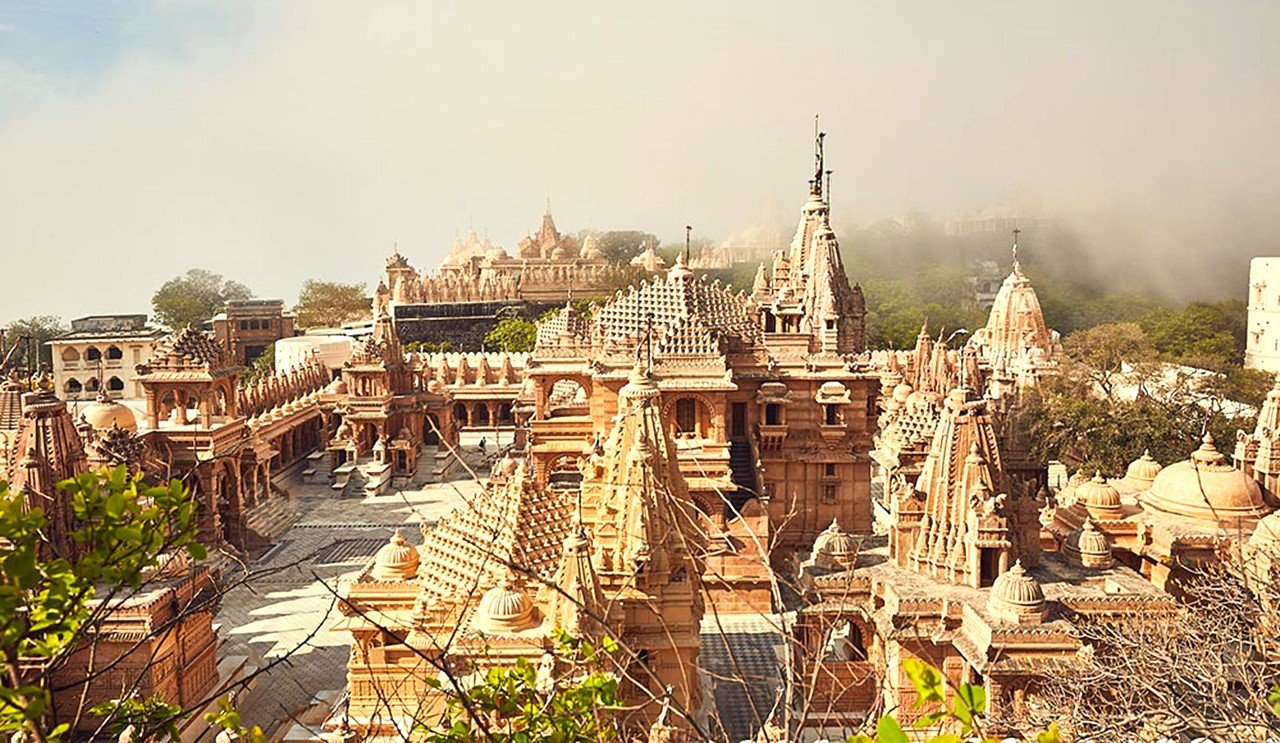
1207,489
1100,497
103,413
504,608
397,560
902,392
836,548
496,254
1142,470
1017,597
1094,546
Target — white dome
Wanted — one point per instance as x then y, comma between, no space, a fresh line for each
1017,597
396,560
504,608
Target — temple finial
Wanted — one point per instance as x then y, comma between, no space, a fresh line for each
818,137
688,239
1016,232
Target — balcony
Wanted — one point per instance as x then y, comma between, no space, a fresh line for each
772,436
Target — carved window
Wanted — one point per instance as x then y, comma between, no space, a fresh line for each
829,493
114,353
829,469
831,415
773,414
93,354
686,415
115,384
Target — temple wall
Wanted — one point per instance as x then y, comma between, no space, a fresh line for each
464,324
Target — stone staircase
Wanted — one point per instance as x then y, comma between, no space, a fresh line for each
265,521
317,468
742,467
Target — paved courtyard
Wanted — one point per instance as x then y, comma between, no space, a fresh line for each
284,610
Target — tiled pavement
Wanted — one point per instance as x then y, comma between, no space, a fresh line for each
283,612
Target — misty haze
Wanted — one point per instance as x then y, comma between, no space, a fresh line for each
660,372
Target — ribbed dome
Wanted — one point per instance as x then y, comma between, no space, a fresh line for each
1205,488
836,548
902,392
397,560
1143,469
1016,596
1266,535
1094,546
496,254
504,608
104,413
1100,497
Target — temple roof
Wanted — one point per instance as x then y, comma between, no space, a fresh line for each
188,351
510,523
690,315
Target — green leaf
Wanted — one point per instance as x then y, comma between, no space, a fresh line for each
946,738
926,679
1050,735
970,700
889,731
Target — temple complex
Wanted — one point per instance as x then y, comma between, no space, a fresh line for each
496,580
547,267
960,581
672,447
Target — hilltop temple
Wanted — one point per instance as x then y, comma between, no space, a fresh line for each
673,445
547,267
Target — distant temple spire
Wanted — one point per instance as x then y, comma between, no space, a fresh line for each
815,185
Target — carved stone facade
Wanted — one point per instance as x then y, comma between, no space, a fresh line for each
959,582
548,267
494,581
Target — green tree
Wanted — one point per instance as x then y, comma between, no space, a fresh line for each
50,603
1200,332
621,246
40,329
512,334
264,364
194,297
328,304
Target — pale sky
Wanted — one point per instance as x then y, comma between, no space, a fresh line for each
275,142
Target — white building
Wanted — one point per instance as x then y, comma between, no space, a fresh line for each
1262,351
101,351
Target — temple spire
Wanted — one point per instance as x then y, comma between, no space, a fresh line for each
1016,266
688,238
815,185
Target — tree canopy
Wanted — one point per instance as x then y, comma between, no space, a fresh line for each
623,245
194,297
40,329
49,603
330,303
512,334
